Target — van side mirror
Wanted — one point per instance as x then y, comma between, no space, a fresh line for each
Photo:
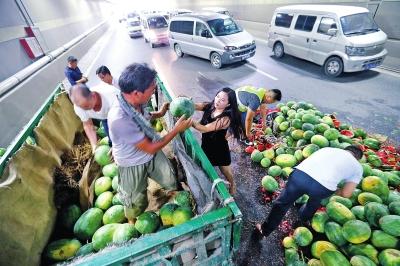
206,33
332,32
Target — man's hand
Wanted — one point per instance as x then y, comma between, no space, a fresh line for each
249,136
93,148
164,108
182,124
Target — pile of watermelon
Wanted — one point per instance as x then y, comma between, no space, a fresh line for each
362,230
105,223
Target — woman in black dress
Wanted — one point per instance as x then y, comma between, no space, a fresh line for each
221,117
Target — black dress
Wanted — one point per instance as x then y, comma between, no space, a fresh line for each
214,143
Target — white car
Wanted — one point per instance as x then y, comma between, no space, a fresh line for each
133,27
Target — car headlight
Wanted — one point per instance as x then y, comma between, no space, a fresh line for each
230,48
355,51
253,42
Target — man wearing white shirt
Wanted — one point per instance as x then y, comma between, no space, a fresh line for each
318,177
105,75
91,104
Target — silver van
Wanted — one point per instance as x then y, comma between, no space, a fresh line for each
154,29
212,36
339,38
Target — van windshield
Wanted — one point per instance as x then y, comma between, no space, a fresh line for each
134,23
157,23
358,24
222,27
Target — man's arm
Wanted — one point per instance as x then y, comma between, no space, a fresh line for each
90,133
199,106
347,190
213,126
263,110
82,80
248,123
160,113
148,146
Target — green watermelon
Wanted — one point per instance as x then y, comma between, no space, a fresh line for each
182,106
320,141
367,169
62,249
372,143
309,118
102,184
359,132
125,232
298,155
331,134
333,232
183,198
318,247
104,200
275,171
393,196
101,155
373,211
296,123
393,179
334,144
366,197
181,215
359,260
166,213
104,141
291,256
321,128
354,196
359,212
116,200
375,185
374,161
287,171
256,156
308,127
2,151
104,236
265,162
269,183
339,213
147,222
318,221
115,214
328,120
310,149
288,242
69,216
390,224
285,160
382,240
110,170
345,201
100,131
269,153
280,150
356,231
390,257
88,223
85,250
308,134
366,250
394,207
302,236
297,134
334,258
284,126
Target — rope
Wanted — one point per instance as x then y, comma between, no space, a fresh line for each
215,183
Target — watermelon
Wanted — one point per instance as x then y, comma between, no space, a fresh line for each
110,170
100,131
288,242
301,143
296,123
115,214
62,249
356,231
390,257
367,169
116,200
318,221
327,120
372,143
280,150
393,179
366,250
285,160
390,224
393,196
85,250
321,128
320,141
114,183
269,183
69,216
359,212
279,119
284,126
88,223
318,247
269,153
275,171
104,236
297,134
181,215
102,184
147,222
354,196
124,232
310,149
334,144
2,151
287,171
182,106
256,156
394,207
366,197
291,256
183,198
104,141
290,104
382,240
314,262
308,134
104,200
298,155
373,211
302,236
375,185
159,126
374,160
345,201
331,134
265,162
339,213
309,118
284,109
334,258
166,213
308,127
360,133
333,232
359,260
101,155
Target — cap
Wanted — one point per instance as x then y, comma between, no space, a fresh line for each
71,58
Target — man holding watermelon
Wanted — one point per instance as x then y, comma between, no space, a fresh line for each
136,146
318,177
250,99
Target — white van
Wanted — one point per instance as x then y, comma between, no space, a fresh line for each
154,29
133,27
211,36
220,10
339,38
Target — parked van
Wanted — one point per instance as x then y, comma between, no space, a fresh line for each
133,27
220,10
211,36
154,29
339,38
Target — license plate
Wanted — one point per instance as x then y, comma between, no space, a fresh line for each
245,56
371,65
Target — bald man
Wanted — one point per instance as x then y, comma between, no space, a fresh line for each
91,104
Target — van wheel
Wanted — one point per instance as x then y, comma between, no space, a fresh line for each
333,67
145,40
279,51
216,60
152,45
178,50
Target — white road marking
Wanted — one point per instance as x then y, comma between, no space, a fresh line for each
262,72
